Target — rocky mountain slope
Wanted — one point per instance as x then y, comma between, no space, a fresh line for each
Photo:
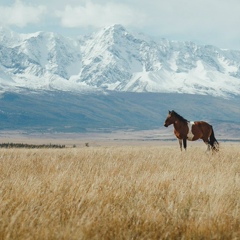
115,59
114,80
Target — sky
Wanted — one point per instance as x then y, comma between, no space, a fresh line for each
207,22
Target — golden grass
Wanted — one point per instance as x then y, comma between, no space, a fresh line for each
125,192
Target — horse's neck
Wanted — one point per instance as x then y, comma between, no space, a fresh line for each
178,124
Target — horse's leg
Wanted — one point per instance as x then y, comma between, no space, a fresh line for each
185,144
208,146
180,143
207,143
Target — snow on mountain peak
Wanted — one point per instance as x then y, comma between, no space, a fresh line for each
115,59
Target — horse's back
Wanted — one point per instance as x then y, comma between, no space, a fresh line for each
203,124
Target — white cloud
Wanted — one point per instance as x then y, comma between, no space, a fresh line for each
212,22
99,15
198,15
20,14
209,22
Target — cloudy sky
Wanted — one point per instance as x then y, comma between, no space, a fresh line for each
215,22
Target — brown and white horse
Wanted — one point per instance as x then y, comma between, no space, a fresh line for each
185,130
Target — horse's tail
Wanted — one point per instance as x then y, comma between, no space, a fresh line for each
213,142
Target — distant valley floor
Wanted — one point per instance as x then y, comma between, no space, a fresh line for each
115,138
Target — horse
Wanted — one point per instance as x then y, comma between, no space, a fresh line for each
185,130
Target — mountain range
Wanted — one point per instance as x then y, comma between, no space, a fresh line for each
115,59
114,79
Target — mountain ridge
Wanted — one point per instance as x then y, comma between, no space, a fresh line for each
115,59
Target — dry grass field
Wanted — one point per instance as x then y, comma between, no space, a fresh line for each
120,192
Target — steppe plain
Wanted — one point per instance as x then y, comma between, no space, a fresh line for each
122,186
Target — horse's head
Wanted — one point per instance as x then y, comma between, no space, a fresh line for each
170,119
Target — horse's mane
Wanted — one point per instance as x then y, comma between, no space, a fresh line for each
182,119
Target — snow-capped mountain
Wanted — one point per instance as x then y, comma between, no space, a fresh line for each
115,59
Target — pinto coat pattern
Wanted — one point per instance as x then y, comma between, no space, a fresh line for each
185,130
